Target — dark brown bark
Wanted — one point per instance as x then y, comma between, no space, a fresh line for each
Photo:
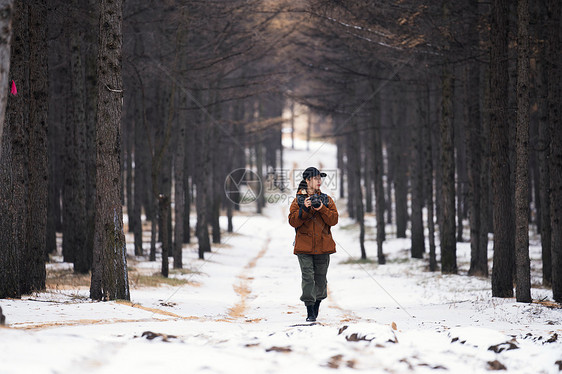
351,190
109,272
447,224
77,230
24,155
163,209
555,167
367,164
58,73
166,189
189,155
378,169
428,176
523,265
202,175
543,152
341,165
460,154
129,199
478,258
217,183
13,174
400,160
485,183
34,266
158,172
417,248
9,248
141,169
260,201
353,150
6,14
179,194
504,225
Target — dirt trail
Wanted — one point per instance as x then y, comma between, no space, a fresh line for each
242,286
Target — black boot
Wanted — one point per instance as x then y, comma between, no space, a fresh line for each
311,317
317,307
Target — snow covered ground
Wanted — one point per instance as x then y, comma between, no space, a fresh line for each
241,313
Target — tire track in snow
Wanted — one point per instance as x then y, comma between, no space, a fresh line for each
242,286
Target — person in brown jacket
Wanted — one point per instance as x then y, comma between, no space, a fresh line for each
312,214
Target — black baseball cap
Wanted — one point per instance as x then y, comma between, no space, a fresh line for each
312,172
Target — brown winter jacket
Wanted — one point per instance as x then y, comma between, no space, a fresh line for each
313,227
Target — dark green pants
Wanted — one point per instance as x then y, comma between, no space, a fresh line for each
313,269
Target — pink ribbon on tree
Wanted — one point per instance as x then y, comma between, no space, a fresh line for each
14,90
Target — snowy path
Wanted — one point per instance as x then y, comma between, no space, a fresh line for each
241,313
244,313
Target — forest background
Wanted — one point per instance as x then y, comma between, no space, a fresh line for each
445,115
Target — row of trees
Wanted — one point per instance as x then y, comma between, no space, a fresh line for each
24,176
452,106
459,101
133,100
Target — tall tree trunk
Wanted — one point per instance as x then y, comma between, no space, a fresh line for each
158,173
460,157
292,107
163,208
485,183
188,188
129,198
56,116
378,169
109,273
523,265
217,185
179,194
12,177
166,189
504,225
308,126
70,210
543,152
554,103
400,172
447,227
78,227
10,250
367,165
417,240
141,169
428,174
341,165
91,37
6,14
478,259
22,266
203,163
354,159
351,190
34,268
260,201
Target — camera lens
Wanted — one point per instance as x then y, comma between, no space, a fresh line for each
315,202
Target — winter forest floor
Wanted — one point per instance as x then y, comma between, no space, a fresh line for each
238,311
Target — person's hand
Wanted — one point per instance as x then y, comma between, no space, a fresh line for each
307,202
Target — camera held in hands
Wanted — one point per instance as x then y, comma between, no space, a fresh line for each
315,200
